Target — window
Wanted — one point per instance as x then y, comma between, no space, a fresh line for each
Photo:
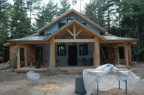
61,24
84,24
69,20
83,49
61,50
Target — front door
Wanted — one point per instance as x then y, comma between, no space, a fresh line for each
72,55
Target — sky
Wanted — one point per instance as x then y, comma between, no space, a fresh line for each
76,7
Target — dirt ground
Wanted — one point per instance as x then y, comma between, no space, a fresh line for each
12,83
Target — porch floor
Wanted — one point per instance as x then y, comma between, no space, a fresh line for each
26,69
70,69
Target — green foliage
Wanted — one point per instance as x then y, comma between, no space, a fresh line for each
20,23
132,24
4,20
95,12
47,14
64,6
101,11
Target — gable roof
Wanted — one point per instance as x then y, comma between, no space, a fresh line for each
72,11
87,32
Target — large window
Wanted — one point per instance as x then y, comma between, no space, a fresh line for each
83,49
61,50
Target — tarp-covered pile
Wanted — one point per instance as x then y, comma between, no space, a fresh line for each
108,77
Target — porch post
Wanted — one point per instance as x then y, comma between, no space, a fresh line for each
126,55
52,53
96,53
129,51
26,55
118,58
18,57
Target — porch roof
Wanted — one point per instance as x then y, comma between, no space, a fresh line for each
115,39
32,38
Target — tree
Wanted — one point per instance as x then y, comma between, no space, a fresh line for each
20,23
47,14
4,22
92,11
32,7
132,24
64,6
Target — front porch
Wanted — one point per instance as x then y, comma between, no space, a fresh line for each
72,45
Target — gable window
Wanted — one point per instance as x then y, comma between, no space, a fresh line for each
84,24
61,24
69,20
83,49
61,50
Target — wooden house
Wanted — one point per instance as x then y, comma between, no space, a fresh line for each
71,40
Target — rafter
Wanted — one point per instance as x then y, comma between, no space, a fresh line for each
78,32
70,32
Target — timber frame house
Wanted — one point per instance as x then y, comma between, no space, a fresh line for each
70,40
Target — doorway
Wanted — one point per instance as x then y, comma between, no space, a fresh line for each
72,55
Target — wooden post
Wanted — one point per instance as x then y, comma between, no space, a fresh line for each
118,58
26,55
74,31
52,53
126,55
18,57
96,53
44,53
129,51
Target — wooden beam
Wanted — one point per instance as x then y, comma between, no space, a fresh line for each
73,40
31,42
74,31
96,53
129,52
52,53
70,32
44,57
118,57
78,32
26,55
126,54
18,57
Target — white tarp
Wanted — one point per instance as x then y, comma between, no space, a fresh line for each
108,77
32,75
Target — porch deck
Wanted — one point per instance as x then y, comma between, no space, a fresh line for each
71,69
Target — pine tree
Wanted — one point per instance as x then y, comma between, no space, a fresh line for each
132,24
102,11
64,6
33,6
94,11
20,24
4,21
47,14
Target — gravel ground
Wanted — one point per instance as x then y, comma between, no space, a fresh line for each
12,83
